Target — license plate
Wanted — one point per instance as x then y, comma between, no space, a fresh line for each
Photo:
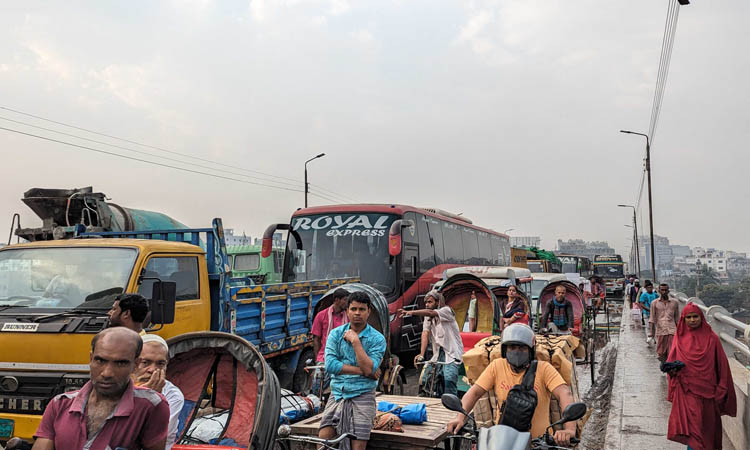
6,428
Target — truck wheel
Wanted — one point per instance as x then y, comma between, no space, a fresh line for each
301,380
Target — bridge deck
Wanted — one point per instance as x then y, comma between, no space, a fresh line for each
639,411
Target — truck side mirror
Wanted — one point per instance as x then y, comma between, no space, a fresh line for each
163,302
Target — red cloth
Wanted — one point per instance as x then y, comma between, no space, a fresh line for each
703,390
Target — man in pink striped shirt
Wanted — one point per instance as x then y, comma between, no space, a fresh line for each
109,412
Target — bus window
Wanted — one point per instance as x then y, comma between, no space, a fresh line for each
498,252
471,246
485,249
454,251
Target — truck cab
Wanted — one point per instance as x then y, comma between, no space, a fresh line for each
54,297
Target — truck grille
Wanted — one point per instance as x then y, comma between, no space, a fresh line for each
29,393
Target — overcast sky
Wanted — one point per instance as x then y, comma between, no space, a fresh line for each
505,111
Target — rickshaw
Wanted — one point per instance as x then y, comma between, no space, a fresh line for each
490,286
392,379
583,318
232,397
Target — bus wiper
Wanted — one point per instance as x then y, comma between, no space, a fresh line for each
72,312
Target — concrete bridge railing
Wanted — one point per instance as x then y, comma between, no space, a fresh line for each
737,429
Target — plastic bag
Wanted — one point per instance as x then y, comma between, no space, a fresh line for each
413,414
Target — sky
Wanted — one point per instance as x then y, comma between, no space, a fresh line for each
505,111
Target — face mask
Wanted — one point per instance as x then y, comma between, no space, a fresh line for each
517,358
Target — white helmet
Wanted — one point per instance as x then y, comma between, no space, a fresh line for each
518,334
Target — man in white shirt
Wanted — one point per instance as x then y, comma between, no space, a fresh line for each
440,325
151,372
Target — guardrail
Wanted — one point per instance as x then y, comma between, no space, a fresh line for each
724,326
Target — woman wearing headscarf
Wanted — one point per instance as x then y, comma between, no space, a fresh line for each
515,310
703,390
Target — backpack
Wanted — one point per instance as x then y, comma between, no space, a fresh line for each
518,408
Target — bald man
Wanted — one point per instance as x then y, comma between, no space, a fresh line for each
108,412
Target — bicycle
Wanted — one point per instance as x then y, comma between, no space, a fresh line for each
435,382
317,384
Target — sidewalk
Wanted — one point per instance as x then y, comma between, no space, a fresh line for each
639,411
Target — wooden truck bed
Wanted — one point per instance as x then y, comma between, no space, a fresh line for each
418,437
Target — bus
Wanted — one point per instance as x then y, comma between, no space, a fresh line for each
612,270
576,264
247,262
400,250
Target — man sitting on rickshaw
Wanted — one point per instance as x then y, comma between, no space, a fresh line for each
558,315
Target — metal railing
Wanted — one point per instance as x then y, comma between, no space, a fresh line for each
724,325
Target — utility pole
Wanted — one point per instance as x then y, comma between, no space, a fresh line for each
635,236
650,203
307,185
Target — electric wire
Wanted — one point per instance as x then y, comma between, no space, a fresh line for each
297,183
132,158
167,158
331,193
144,145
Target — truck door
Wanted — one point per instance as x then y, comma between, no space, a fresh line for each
192,311
411,328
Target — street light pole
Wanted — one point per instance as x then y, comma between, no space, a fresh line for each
650,203
307,185
635,234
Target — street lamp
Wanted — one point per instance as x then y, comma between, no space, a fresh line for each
307,185
508,230
650,205
635,242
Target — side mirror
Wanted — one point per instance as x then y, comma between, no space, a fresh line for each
574,411
452,403
163,299
394,235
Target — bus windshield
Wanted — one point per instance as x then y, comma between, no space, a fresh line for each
342,245
609,270
62,277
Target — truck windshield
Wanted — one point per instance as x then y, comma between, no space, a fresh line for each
341,245
62,277
609,270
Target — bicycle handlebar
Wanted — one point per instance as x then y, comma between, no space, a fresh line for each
324,442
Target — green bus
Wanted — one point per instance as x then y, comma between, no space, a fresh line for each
247,262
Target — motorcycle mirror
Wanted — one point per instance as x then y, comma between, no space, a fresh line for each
574,411
452,403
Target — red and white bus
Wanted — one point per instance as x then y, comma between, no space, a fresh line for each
400,250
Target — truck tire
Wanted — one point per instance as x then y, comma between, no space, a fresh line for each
301,380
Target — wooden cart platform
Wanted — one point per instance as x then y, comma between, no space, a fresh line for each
418,437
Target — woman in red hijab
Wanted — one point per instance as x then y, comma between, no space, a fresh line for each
703,390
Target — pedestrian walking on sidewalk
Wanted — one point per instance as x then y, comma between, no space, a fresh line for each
665,313
703,390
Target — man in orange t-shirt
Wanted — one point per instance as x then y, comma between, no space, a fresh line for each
504,373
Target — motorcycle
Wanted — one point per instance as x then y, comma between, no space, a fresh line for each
503,437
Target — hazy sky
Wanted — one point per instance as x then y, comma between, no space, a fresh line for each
506,111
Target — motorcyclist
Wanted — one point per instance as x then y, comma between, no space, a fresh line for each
517,350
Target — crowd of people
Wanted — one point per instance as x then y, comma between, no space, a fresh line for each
128,402
700,385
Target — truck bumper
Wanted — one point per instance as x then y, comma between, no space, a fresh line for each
24,425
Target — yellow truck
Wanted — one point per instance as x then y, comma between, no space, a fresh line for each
55,294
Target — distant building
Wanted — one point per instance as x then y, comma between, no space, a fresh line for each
584,248
681,250
278,240
231,239
738,267
662,249
528,241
